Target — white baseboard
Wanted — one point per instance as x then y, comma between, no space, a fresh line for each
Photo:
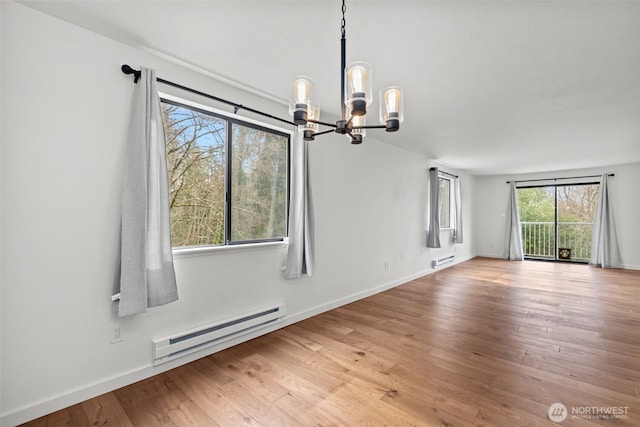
106,385
490,255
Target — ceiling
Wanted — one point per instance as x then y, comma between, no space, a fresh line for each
498,87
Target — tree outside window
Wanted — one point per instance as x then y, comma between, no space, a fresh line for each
228,179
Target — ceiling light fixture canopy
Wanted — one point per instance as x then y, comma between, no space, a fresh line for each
355,97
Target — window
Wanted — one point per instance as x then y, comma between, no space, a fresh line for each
444,209
228,179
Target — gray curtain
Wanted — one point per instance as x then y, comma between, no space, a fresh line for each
300,251
604,243
513,232
433,234
457,232
146,276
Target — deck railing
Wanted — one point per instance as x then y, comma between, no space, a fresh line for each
538,239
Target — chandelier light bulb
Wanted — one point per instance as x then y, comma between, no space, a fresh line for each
392,100
309,129
302,90
359,121
314,113
391,108
301,94
358,88
358,78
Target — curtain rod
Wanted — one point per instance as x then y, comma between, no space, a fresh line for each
555,179
136,76
445,173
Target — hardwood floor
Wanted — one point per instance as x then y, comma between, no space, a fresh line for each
483,343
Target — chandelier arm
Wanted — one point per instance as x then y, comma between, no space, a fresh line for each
323,132
333,125
350,120
369,127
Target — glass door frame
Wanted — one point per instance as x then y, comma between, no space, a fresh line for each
555,221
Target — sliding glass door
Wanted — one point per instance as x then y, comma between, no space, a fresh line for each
557,221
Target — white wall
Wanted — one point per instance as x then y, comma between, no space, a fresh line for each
65,108
490,205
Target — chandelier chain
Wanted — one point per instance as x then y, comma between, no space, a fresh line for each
343,22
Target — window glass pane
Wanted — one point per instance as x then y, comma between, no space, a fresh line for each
576,214
258,184
196,168
537,220
445,203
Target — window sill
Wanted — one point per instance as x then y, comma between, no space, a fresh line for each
205,250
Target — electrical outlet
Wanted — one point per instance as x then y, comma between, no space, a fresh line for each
386,266
115,334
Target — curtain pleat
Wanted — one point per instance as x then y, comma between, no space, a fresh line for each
433,234
604,243
146,276
301,229
513,232
457,232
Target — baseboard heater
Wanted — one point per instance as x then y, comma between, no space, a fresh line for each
206,336
442,261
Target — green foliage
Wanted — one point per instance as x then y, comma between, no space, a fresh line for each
536,204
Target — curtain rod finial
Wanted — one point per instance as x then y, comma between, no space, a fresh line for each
126,68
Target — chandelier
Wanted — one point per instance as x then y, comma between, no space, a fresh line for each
355,97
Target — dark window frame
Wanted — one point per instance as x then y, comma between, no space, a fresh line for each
231,121
556,223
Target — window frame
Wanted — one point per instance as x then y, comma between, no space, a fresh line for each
451,197
231,120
